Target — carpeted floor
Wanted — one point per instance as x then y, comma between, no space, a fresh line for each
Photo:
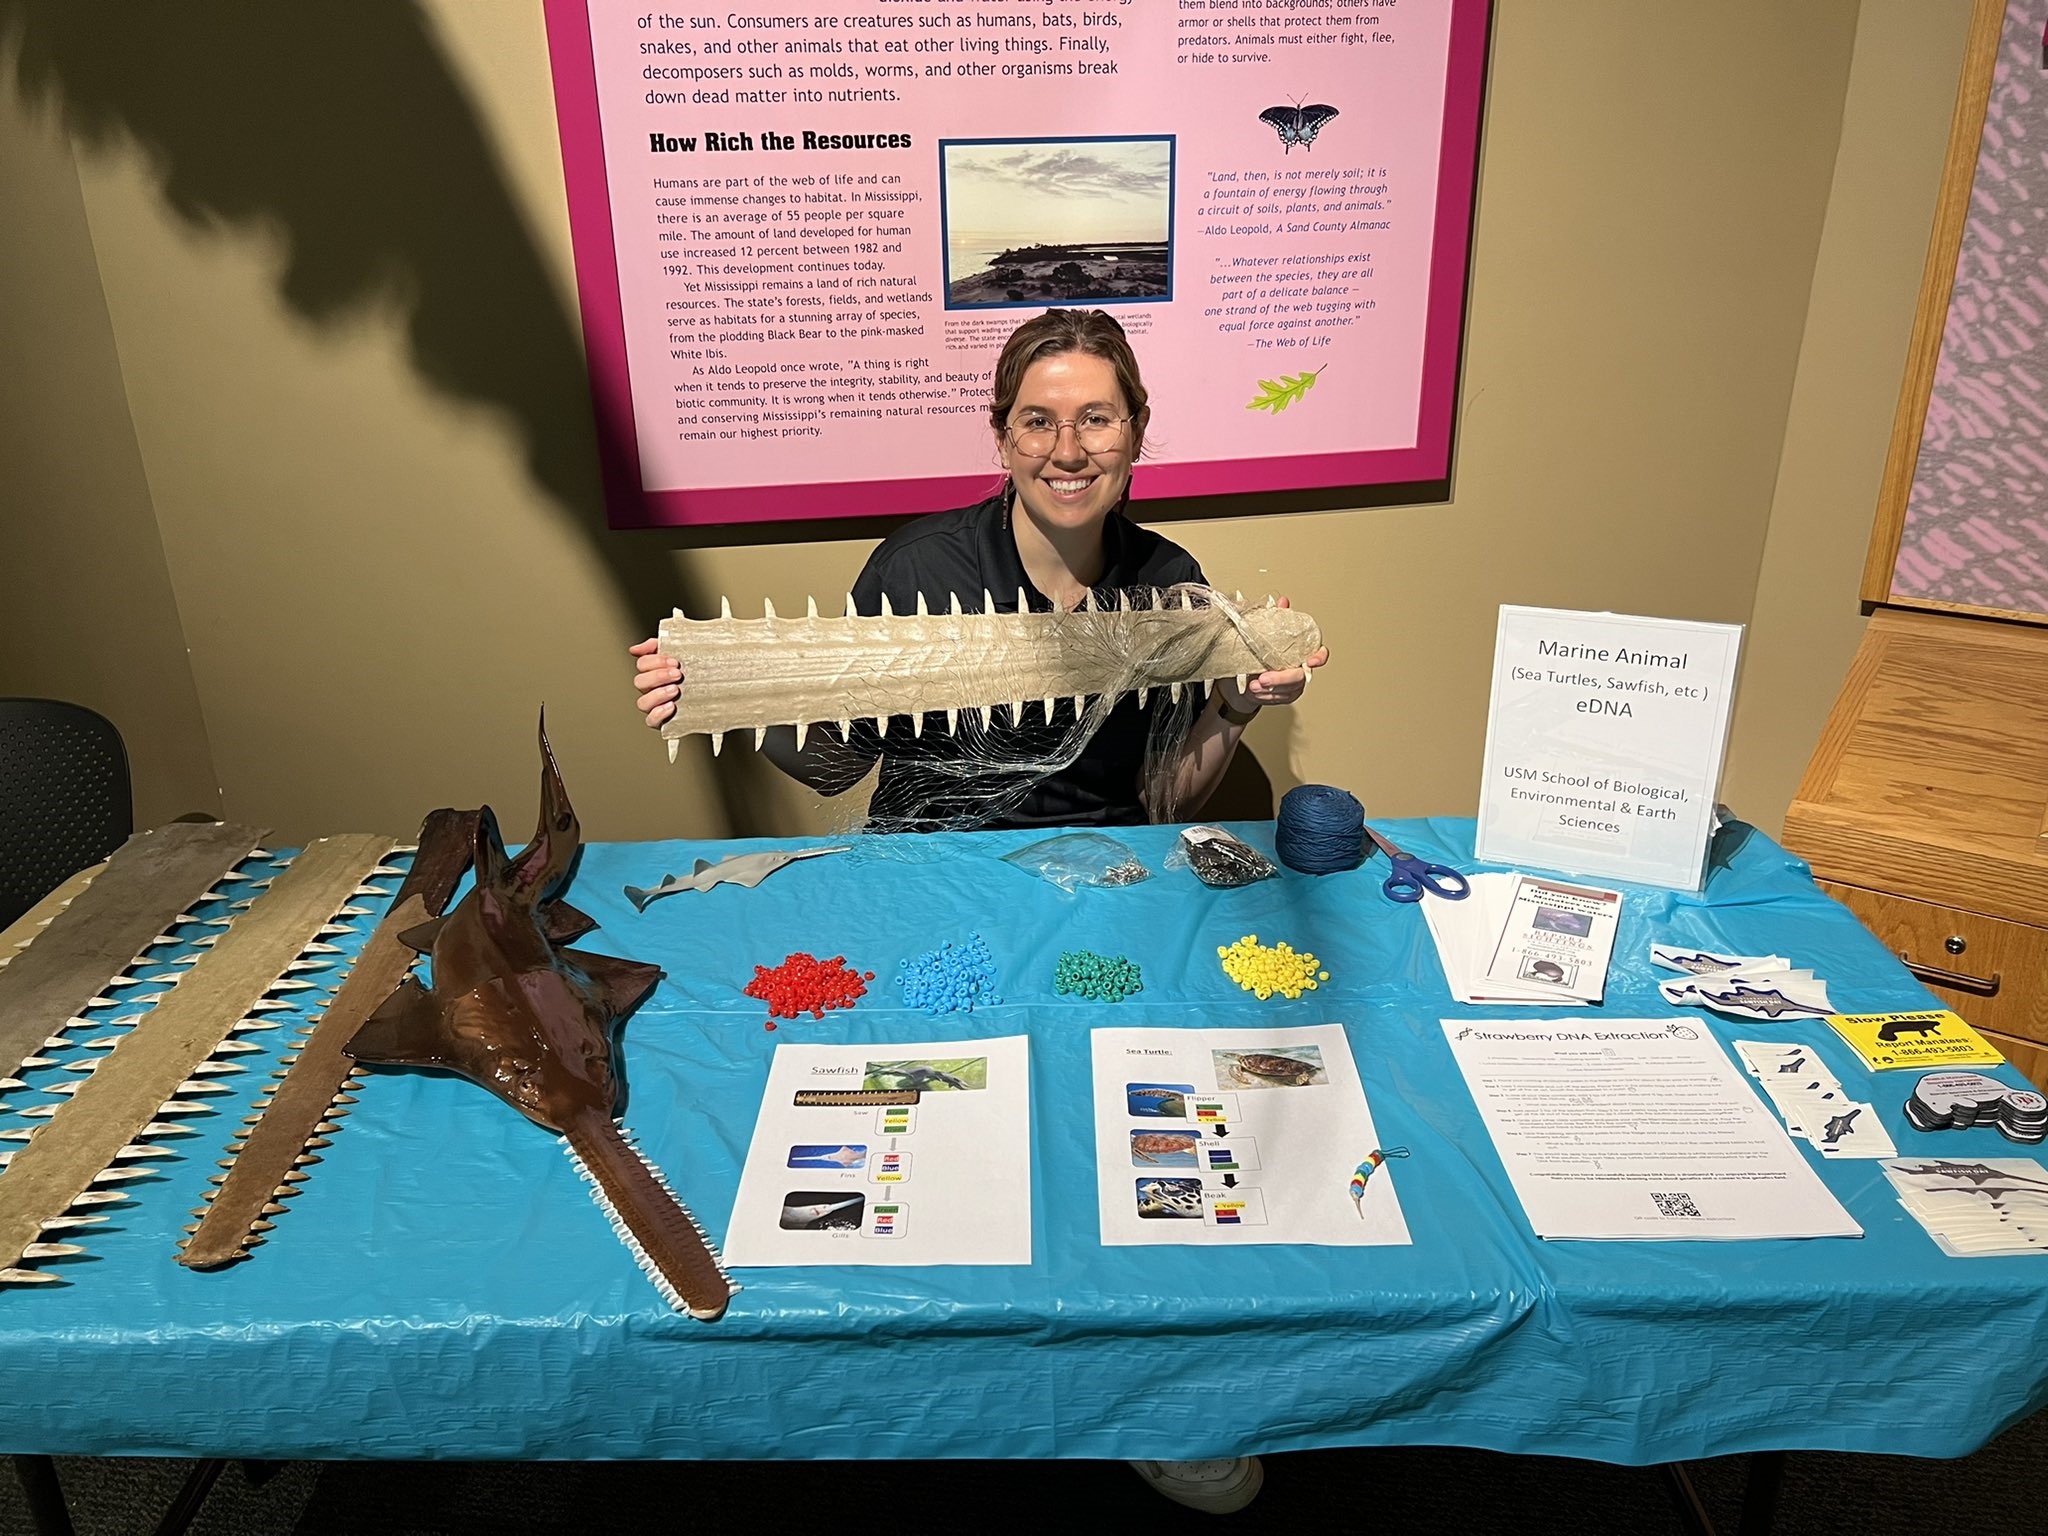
2004,1487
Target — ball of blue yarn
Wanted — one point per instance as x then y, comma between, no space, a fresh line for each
1320,830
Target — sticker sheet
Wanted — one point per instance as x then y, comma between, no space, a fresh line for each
1976,1207
1227,1137
1815,1106
846,1169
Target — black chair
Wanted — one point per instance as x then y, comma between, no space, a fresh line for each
65,800
65,804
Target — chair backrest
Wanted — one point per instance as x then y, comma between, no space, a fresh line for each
65,800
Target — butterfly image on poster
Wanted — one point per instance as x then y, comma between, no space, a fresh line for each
1297,125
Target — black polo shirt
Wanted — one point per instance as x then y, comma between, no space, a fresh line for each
967,552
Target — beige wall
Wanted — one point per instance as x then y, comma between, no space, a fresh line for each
335,258
86,608
1866,281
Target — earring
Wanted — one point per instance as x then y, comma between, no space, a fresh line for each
1009,501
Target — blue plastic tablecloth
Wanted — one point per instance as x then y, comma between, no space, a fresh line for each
444,1286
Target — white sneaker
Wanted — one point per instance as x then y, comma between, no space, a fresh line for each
1219,1487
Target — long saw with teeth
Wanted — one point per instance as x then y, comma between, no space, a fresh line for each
83,940
808,670
294,1119
167,1065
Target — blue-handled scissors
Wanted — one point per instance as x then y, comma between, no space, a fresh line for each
1412,876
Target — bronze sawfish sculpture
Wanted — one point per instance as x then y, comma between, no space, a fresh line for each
755,674
535,1025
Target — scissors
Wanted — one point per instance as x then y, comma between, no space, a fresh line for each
1412,876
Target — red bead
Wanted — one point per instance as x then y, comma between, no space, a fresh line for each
804,984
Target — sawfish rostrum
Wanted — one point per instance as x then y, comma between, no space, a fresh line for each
536,1025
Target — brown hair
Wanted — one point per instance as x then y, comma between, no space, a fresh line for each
1060,331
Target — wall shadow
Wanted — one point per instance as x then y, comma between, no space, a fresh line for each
342,131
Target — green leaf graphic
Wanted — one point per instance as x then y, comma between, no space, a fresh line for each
1275,395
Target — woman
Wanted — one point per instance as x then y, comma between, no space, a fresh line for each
1069,414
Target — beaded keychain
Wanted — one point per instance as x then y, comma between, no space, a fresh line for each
1365,1170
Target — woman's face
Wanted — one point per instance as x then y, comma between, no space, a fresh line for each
1073,485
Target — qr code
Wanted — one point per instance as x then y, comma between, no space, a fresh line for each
1679,1204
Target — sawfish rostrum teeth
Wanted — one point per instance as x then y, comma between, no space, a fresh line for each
747,674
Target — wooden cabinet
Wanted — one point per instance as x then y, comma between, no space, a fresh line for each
1925,811
1976,965
1925,807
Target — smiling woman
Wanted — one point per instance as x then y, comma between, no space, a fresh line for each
1068,411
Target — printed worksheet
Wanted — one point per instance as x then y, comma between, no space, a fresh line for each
1637,1128
889,1154
1222,1137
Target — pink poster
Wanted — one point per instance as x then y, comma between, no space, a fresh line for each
803,231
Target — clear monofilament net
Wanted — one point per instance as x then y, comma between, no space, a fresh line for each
973,710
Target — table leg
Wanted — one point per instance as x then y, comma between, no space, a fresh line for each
178,1518
46,1508
1685,1500
1759,1496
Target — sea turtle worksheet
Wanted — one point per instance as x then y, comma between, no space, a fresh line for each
1222,1137
889,1154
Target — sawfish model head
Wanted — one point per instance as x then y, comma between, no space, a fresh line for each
506,1009
534,1023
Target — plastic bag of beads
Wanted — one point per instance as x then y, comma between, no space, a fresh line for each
1219,859
1075,859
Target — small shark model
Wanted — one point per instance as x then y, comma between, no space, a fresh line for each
535,1025
747,869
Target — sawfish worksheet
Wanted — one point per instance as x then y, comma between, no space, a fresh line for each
845,1169
1222,1137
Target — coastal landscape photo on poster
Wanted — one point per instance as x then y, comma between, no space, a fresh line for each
803,231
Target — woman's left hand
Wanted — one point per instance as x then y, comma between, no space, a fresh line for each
1280,687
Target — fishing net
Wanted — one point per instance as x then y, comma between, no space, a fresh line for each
952,720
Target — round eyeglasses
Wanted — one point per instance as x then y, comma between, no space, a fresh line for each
1035,437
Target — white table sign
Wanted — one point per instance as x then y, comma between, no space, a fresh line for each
1604,743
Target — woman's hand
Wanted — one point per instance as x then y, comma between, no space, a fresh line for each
660,681
1280,687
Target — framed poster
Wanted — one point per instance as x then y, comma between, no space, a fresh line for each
804,228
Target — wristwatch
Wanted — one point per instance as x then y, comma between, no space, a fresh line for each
1235,716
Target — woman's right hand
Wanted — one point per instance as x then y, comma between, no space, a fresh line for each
659,679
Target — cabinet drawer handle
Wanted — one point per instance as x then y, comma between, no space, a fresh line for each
1960,981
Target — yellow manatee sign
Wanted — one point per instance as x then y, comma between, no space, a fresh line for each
1933,1038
